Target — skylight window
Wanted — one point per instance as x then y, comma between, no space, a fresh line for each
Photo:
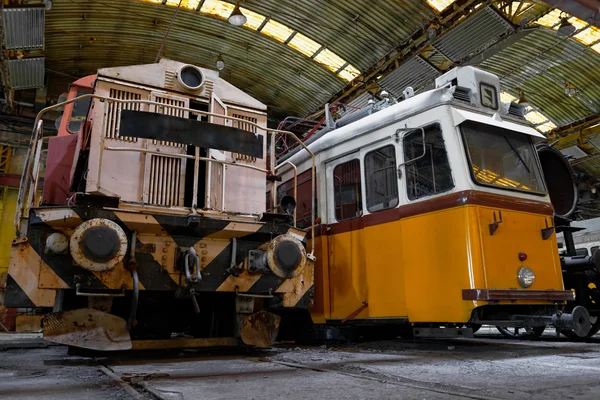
331,60
551,19
440,5
304,44
589,36
349,73
254,20
546,127
507,97
277,30
596,48
535,117
217,8
189,4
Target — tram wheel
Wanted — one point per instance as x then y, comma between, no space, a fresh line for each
595,320
521,333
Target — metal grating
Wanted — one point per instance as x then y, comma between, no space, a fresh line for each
113,115
414,72
27,73
170,111
473,35
23,27
166,181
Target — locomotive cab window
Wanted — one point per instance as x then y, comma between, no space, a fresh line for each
381,179
347,190
502,158
430,171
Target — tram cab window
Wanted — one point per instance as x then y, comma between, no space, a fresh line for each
581,252
431,173
381,179
502,158
347,190
593,249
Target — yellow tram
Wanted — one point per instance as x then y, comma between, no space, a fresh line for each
433,211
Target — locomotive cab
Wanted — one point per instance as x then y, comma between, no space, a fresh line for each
435,212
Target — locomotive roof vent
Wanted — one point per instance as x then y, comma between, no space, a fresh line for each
190,78
476,86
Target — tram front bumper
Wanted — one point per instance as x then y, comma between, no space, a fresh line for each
578,321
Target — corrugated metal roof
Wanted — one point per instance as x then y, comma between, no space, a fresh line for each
413,73
540,63
473,35
27,73
23,28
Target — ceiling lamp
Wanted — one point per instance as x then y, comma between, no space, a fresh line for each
522,100
566,28
237,18
220,63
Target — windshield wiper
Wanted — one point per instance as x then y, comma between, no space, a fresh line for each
517,153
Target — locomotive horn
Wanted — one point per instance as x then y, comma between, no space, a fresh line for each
560,180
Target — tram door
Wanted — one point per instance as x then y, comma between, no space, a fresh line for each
347,274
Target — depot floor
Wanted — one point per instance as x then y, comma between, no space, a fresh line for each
487,367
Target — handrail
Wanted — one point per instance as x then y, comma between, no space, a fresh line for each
30,173
295,183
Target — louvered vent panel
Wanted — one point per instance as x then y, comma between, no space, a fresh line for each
247,126
113,119
170,111
461,94
165,181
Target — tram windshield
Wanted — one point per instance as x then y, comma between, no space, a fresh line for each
502,158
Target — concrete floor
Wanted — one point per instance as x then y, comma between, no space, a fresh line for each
487,367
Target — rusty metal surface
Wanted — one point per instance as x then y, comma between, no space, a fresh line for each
87,328
274,261
184,343
77,251
515,294
260,329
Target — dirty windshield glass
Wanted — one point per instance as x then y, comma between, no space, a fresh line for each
502,158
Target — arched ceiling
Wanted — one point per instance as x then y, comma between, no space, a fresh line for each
304,52
297,55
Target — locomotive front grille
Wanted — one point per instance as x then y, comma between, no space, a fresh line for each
113,119
165,181
170,111
247,126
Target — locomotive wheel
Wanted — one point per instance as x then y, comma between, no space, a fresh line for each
521,333
595,328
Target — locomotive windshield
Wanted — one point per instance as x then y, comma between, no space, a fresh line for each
502,158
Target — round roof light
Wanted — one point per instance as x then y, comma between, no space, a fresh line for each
190,77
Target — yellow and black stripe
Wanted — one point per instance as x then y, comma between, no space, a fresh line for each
34,275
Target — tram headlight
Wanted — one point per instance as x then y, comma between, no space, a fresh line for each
525,276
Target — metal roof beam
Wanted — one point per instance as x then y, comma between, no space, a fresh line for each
409,47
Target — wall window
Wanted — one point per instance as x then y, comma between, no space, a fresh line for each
347,190
381,179
431,173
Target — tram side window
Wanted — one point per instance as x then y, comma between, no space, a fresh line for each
581,251
431,173
381,179
347,190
